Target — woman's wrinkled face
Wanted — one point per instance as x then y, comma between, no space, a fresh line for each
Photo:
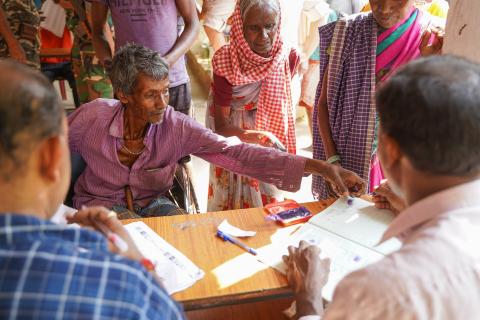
390,12
260,28
149,99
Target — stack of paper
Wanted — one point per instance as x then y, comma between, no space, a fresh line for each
175,270
347,234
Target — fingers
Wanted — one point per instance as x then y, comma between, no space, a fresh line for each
356,185
303,245
291,251
431,46
438,43
339,186
326,263
92,216
425,39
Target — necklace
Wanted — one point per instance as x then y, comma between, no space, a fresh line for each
131,152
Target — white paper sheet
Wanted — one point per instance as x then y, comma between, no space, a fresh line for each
360,222
176,271
59,216
347,234
227,228
346,256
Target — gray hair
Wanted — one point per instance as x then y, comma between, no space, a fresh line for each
131,60
30,112
246,5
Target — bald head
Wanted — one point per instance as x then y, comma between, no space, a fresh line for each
30,112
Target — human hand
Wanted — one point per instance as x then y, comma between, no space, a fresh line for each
307,274
93,216
16,51
269,140
343,182
385,198
428,47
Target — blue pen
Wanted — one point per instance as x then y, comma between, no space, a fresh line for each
233,240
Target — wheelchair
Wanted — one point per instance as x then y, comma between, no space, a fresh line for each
182,192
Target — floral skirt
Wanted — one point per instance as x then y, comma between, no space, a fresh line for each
228,190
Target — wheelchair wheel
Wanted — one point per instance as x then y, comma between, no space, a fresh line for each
182,192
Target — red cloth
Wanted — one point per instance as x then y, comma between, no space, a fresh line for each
224,90
49,40
239,65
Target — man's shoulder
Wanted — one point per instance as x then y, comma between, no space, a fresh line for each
58,256
101,109
177,119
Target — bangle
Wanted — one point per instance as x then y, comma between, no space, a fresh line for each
333,159
148,264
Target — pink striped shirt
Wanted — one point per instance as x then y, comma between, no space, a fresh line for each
96,133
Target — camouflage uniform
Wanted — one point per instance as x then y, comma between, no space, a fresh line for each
24,21
90,77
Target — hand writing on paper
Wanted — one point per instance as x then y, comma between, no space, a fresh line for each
344,182
385,198
91,217
307,274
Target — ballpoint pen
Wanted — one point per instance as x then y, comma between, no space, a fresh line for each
113,237
234,240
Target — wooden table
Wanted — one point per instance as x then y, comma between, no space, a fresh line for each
232,276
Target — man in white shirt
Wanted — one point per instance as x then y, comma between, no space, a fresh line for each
429,141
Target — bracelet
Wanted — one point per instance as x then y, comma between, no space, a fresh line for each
333,159
264,139
148,264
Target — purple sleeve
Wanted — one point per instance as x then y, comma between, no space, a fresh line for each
281,169
77,125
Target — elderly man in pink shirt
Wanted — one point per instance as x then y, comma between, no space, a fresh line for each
132,145
429,148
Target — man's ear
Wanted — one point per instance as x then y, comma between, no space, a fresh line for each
391,153
122,97
50,159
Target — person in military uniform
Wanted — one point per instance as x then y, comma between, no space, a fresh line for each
19,25
91,78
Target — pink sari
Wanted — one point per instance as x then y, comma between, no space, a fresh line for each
396,46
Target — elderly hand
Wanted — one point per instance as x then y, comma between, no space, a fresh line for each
307,274
435,47
267,139
93,216
343,181
385,198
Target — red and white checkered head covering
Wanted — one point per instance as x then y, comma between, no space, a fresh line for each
240,65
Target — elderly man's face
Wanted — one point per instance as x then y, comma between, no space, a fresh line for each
260,29
149,99
390,12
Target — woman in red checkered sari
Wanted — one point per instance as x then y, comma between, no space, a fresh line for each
251,99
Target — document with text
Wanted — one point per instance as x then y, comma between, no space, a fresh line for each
348,234
175,270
